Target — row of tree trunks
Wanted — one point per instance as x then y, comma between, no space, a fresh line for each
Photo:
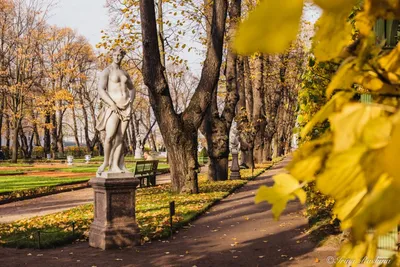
268,88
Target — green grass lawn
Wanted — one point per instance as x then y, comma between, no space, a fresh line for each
20,183
25,179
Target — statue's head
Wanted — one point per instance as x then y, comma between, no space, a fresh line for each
118,54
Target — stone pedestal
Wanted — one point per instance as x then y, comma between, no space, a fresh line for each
235,169
114,222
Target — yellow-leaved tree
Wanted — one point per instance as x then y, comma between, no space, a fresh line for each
355,161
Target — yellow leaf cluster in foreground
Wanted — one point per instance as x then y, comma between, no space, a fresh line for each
356,161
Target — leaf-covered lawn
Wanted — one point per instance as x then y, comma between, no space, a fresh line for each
152,212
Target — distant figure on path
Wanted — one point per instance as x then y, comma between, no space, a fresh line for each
117,93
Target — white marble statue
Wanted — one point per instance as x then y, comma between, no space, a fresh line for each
117,93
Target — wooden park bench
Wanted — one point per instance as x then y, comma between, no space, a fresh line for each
146,169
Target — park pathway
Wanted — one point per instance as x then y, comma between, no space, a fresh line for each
235,232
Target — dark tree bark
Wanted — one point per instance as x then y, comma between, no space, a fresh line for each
60,129
179,131
246,133
273,96
8,133
3,98
15,142
75,127
90,143
23,143
216,127
54,136
35,140
132,134
259,120
47,137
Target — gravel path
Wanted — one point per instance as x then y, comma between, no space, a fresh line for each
235,232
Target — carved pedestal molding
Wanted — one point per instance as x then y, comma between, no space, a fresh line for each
114,222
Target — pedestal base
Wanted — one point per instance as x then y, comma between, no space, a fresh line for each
114,222
235,169
235,175
113,237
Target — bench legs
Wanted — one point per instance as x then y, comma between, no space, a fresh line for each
150,181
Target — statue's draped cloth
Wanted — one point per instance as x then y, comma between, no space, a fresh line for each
105,113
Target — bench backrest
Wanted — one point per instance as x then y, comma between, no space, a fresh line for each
146,167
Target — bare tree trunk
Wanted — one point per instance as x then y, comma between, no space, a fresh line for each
35,133
267,149
243,118
60,130
76,127
216,127
90,143
180,130
23,142
54,139
274,71
47,137
248,88
152,141
8,133
14,158
217,135
275,144
1,116
259,120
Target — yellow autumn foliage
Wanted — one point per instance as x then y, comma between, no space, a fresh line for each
356,161
254,35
